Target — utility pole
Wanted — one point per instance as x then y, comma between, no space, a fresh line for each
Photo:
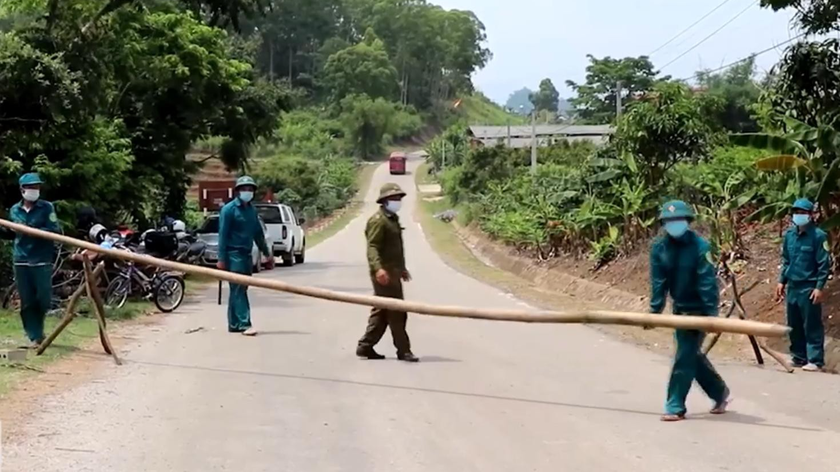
508,133
534,141
617,100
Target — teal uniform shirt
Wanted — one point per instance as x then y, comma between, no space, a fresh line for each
239,229
806,259
684,268
29,250
33,260
806,265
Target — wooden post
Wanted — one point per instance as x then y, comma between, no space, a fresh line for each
757,345
69,312
99,310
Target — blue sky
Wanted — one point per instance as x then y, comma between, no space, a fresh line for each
534,39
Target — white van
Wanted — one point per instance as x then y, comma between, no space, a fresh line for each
285,231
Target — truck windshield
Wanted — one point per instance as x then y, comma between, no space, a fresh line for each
270,214
210,226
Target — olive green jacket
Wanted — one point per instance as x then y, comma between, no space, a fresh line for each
385,243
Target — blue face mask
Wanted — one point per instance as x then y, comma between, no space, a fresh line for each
676,228
801,219
246,196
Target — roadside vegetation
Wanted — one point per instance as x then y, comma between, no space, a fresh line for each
738,148
297,93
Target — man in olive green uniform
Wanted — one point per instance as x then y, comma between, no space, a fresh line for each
806,264
681,264
386,259
239,229
33,257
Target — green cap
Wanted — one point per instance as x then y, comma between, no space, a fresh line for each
676,209
30,179
390,190
803,204
243,181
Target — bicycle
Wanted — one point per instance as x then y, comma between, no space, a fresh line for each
165,288
65,281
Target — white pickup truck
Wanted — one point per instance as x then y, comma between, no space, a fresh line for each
285,230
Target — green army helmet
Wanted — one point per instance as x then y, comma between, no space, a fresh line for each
676,209
803,204
243,181
30,178
390,190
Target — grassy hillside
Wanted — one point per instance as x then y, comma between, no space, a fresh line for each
477,109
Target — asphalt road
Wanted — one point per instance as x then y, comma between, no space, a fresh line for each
485,397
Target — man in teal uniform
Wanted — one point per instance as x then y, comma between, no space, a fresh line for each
33,257
806,264
239,229
681,264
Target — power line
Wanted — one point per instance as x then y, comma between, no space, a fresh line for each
744,59
691,26
710,35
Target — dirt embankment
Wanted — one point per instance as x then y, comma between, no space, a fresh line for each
624,284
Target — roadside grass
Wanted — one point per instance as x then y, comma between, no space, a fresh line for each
82,331
444,239
350,212
423,175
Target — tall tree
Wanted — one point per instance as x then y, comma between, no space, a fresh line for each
596,98
737,92
435,51
520,101
292,32
805,84
547,98
124,98
668,126
815,16
362,69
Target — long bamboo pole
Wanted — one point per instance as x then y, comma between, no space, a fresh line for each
701,323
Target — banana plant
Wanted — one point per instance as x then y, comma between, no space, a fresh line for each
812,155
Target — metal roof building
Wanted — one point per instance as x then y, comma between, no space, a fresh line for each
520,136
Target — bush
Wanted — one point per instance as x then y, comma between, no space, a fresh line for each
6,268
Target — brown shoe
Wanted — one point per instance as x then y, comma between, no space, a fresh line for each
408,357
671,418
366,352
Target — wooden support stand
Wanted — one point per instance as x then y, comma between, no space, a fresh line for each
757,345
89,287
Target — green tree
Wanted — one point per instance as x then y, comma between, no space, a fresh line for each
362,69
520,101
369,122
124,99
671,125
738,94
291,34
596,100
547,98
805,84
434,50
815,16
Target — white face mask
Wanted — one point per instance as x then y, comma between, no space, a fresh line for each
246,196
393,206
31,194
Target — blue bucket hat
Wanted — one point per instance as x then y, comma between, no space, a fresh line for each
803,204
676,209
243,181
30,178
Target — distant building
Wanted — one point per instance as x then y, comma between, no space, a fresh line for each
520,136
